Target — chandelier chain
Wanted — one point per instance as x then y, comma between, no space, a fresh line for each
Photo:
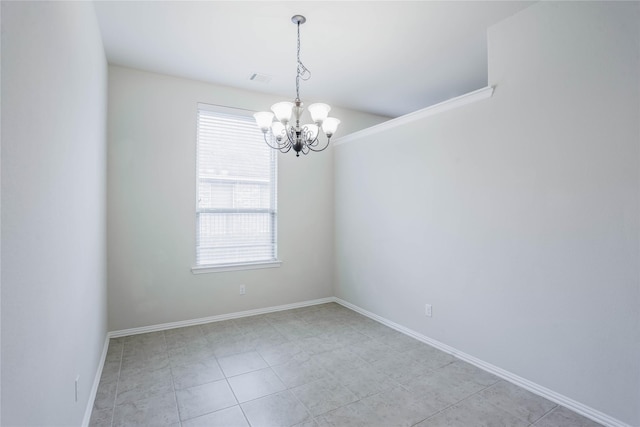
302,72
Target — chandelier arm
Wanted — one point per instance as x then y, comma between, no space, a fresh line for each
283,150
285,141
314,141
282,144
278,145
320,149
291,132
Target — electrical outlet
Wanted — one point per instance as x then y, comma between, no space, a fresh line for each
77,380
243,290
427,310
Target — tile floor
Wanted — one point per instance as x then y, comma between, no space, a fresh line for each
323,365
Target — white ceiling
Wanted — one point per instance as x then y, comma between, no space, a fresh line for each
383,57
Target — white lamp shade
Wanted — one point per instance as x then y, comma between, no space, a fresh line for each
263,119
330,125
319,112
283,111
278,130
312,132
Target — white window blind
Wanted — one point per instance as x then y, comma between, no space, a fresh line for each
236,214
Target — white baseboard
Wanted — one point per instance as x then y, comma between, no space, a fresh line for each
202,320
96,383
558,398
551,395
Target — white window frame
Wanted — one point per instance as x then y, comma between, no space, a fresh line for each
221,267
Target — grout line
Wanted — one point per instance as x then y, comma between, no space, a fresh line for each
173,383
311,416
469,397
226,379
233,392
115,397
555,408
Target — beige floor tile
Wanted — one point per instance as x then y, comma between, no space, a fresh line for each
256,384
280,409
229,417
517,401
314,366
203,399
562,417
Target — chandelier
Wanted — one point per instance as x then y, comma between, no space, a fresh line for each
283,134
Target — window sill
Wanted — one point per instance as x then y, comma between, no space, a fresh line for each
234,267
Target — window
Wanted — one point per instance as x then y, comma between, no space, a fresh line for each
236,212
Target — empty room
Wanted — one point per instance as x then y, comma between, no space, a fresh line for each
320,213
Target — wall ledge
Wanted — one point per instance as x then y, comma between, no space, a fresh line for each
449,104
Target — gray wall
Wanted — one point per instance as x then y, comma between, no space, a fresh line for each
517,217
151,208
54,319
